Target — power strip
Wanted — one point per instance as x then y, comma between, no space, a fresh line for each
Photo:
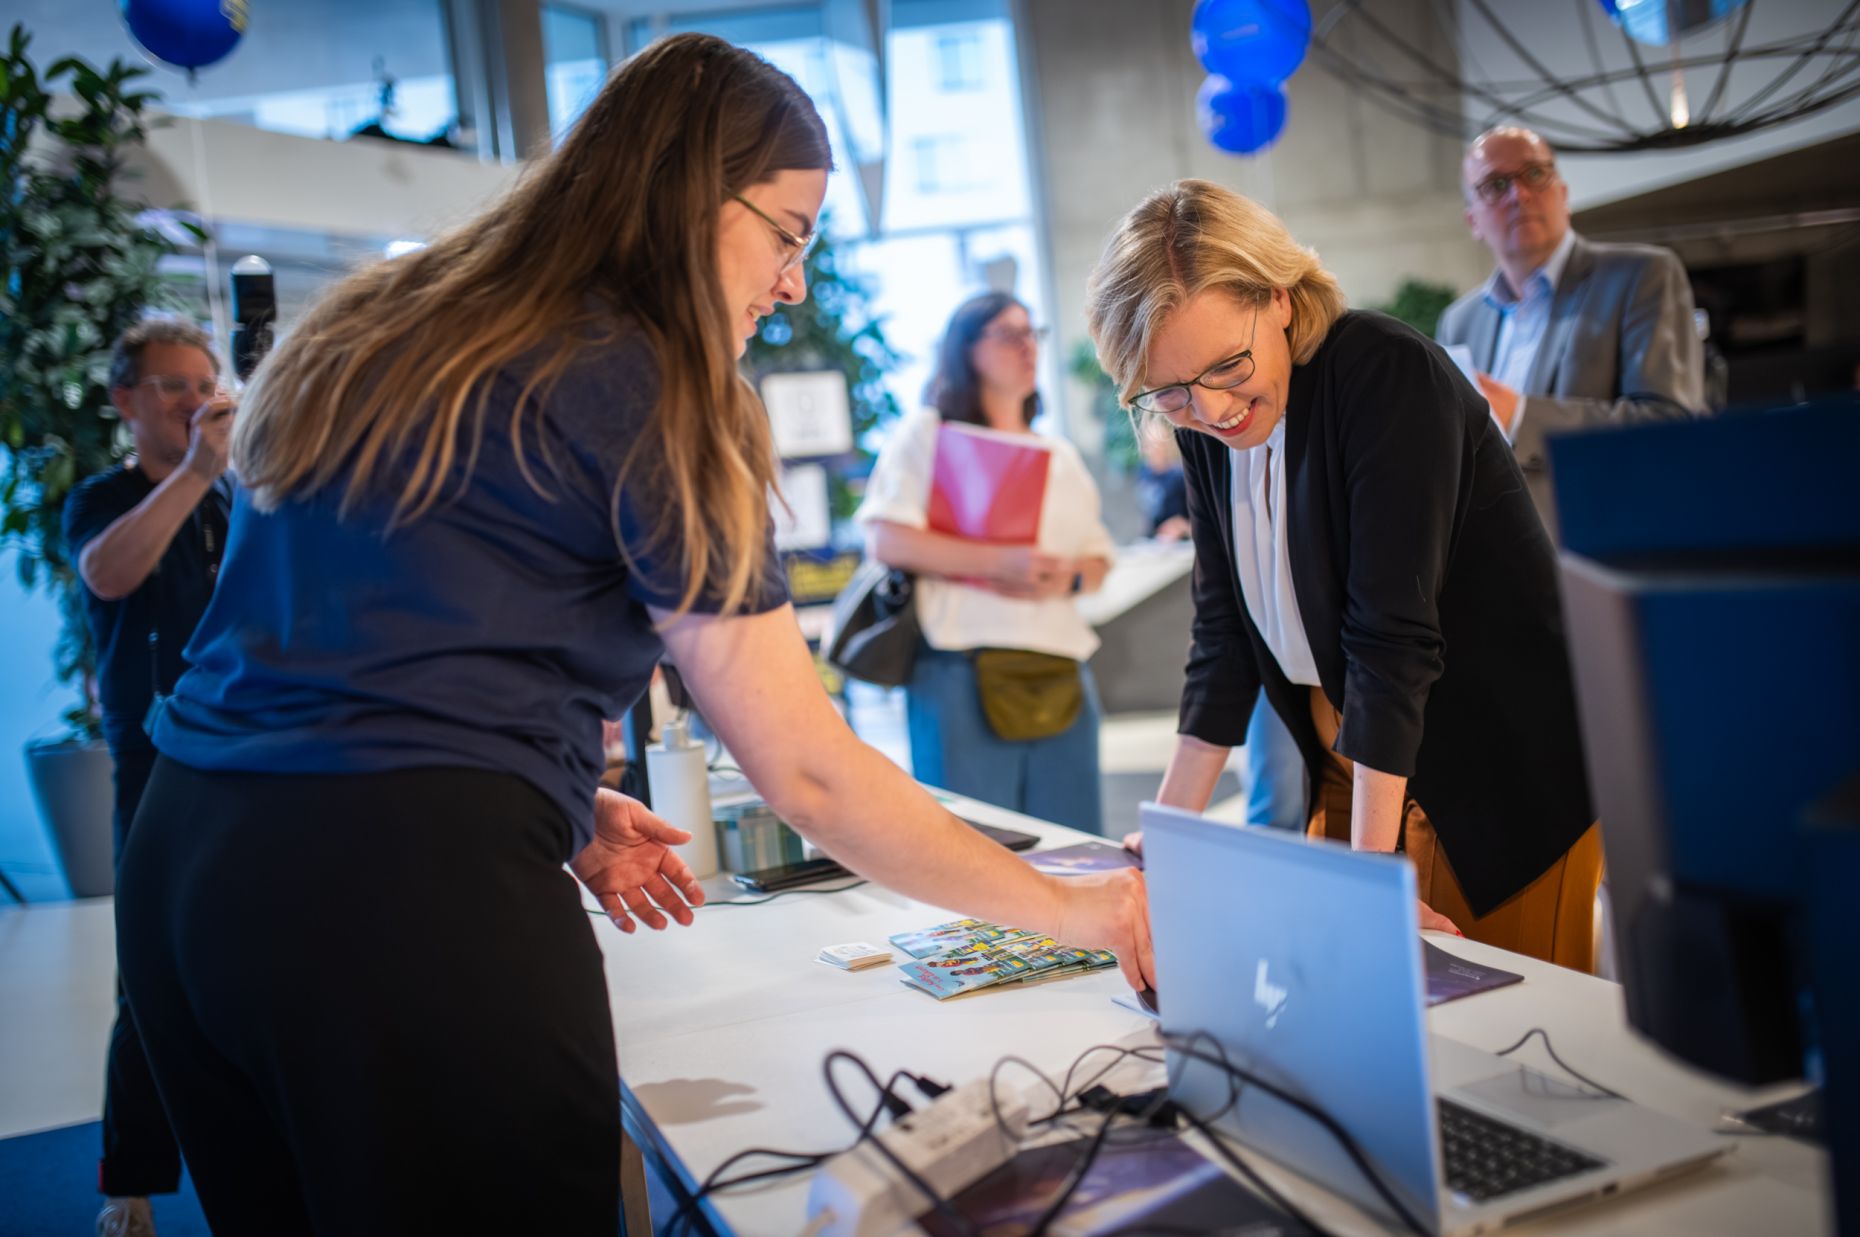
951,1143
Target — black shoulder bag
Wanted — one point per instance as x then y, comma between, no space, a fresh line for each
875,630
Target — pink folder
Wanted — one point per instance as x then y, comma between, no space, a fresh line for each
988,487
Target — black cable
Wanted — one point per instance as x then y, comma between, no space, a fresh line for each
937,1201
1344,1138
1219,1142
1205,1124
1112,1106
1070,1185
683,1216
785,893
714,1181
1584,1079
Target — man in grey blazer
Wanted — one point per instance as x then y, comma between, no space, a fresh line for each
1567,333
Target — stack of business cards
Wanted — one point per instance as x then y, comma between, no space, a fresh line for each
855,956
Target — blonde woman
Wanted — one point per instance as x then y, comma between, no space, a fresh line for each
1368,556
486,486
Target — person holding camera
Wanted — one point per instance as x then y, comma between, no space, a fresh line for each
147,537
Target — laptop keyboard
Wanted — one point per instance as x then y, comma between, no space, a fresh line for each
1487,1158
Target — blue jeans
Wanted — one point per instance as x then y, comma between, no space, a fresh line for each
1275,768
953,747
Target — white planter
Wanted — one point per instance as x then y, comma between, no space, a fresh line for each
72,784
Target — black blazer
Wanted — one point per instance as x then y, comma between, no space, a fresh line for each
1428,590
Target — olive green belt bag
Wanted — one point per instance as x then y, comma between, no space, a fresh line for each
1028,695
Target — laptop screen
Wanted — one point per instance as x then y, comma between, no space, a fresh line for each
1300,962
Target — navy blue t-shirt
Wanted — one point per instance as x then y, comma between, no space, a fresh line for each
139,638
495,631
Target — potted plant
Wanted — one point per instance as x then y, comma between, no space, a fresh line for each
77,266
836,330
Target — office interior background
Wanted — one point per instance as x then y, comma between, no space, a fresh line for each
993,143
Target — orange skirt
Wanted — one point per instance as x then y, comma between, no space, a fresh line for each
1552,918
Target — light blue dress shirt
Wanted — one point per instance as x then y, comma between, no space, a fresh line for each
1523,321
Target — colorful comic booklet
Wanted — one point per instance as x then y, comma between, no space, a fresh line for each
966,956
948,937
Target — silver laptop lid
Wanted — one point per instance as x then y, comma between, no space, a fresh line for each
1302,959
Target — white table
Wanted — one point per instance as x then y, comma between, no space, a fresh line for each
1138,572
723,1026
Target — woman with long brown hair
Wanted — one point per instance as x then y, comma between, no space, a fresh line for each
486,485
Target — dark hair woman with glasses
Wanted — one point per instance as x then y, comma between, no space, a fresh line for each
1366,553
488,484
1001,705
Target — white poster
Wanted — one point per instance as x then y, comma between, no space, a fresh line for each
811,524
809,413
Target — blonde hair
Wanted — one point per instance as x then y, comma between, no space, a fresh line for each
383,386
1186,239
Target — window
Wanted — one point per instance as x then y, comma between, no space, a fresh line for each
956,207
940,163
574,62
312,69
959,61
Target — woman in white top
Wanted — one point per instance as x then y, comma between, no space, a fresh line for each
1019,729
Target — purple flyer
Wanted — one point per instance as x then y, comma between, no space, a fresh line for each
1080,858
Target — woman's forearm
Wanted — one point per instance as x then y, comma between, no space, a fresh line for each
917,847
1375,809
756,684
919,549
1194,770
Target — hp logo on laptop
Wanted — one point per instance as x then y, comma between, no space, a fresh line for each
1268,996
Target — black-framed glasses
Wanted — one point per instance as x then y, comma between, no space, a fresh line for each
1532,176
1017,336
800,246
1224,375
174,386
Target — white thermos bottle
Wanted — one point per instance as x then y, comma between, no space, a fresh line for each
675,769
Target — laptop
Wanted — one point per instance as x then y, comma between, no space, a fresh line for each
1301,960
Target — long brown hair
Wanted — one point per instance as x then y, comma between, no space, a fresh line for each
388,376
955,389
1181,241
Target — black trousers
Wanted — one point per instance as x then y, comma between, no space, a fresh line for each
139,1152
373,1003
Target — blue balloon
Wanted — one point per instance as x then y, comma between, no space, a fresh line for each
188,34
1658,22
1240,119
1251,40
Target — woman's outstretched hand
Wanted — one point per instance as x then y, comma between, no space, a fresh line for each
1110,911
1433,921
631,866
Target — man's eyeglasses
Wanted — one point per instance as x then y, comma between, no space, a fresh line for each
1223,375
1016,336
1532,176
799,246
173,386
